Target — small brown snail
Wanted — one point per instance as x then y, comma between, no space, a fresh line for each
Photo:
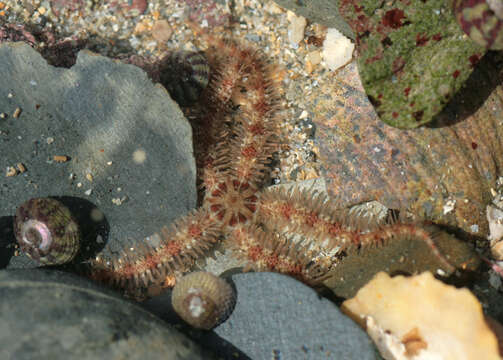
203,300
46,231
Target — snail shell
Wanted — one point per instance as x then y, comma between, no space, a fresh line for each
185,74
46,231
203,300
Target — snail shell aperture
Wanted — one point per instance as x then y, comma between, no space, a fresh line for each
46,231
203,300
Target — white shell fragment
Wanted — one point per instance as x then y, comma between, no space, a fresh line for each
296,28
495,220
420,317
337,49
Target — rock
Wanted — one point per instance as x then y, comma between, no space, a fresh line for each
419,170
127,144
54,315
403,255
325,12
337,50
412,57
278,317
296,28
61,6
130,7
161,31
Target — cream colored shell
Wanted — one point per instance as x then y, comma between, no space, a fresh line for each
420,317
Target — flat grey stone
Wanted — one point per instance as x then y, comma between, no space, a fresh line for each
278,317
53,315
129,147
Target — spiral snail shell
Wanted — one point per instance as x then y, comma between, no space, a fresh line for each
203,300
185,74
46,231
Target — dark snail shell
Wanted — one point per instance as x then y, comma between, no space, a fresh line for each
203,300
185,74
46,231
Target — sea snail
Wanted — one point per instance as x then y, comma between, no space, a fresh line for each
185,74
46,231
203,300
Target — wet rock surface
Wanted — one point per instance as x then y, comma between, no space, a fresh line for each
123,148
54,315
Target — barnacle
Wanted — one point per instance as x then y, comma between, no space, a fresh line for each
203,300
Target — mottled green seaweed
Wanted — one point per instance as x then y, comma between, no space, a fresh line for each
413,57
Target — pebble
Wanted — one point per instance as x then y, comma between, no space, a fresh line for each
296,28
161,31
314,57
337,50
134,7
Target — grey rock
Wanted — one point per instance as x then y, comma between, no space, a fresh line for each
325,12
53,315
114,124
277,317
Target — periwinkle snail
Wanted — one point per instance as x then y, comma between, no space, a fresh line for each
185,75
203,300
46,231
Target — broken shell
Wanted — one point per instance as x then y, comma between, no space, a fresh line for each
185,74
46,231
203,300
420,317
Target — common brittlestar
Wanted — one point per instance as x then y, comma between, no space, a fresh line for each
299,233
